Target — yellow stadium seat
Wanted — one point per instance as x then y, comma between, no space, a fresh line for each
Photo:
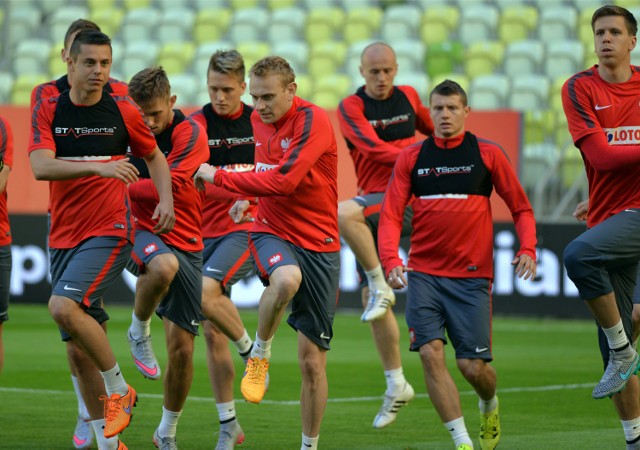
136,4
6,83
338,84
108,19
23,85
361,23
279,4
483,58
438,23
326,99
539,125
211,24
253,51
176,57
305,86
242,4
443,57
326,58
96,5
555,94
323,23
517,22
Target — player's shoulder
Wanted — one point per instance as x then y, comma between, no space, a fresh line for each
119,87
581,78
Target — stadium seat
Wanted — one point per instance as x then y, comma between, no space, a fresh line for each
274,5
296,52
96,5
176,57
537,160
443,57
136,4
585,33
336,84
211,24
417,80
489,92
49,7
109,20
529,92
171,4
139,54
410,54
248,24
478,23
563,58
523,57
325,99
6,83
23,85
557,23
483,58
354,53
28,56
459,78
539,126
400,22
361,24
25,21
59,20
305,86
253,51
175,25
504,4
286,24
516,22
590,58
312,4
439,23
571,166
204,53
139,24
326,58
425,5
555,94
242,4
323,24
185,86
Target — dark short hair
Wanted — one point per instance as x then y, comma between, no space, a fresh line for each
614,10
228,62
448,88
149,84
78,25
88,37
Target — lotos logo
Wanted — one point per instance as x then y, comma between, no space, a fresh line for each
623,135
149,249
275,259
262,167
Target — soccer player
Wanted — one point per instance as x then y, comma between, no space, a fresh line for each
294,239
451,176
83,433
79,141
601,105
169,266
226,250
377,122
6,162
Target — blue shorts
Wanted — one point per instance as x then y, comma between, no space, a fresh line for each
314,305
227,259
5,281
372,203
84,273
461,306
183,303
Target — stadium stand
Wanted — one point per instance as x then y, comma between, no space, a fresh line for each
211,24
286,25
438,23
400,22
175,25
489,92
248,24
362,23
478,23
523,57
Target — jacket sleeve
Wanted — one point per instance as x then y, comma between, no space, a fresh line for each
424,124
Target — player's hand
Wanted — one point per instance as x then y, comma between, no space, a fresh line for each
396,278
238,212
581,211
120,169
165,217
525,266
206,172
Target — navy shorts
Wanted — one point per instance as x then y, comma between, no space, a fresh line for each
5,281
314,305
604,259
227,259
84,273
183,303
461,306
372,203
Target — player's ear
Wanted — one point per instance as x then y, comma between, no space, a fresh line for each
172,100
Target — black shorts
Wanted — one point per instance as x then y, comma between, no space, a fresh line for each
314,305
5,281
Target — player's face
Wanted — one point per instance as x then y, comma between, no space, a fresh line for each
612,41
158,113
271,98
225,92
91,67
448,115
378,69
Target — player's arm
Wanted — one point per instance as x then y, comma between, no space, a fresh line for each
356,129
6,152
45,166
510,190
424,124
161,176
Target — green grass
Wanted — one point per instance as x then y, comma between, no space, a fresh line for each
546,370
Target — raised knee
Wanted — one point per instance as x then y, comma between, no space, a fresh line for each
166,267
348,211
574,256
286,281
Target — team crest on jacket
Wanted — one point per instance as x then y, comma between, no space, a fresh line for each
149,249
285,143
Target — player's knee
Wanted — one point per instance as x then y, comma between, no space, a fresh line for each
471,369
59,308
165,267
574,257
312,369
348,212
285,280
432,354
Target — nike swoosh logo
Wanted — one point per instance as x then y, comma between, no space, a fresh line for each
127,409
195,323
324,336
67,288
211,269
598,107
79,442
627,374
151,371
630,210
307,445
480,350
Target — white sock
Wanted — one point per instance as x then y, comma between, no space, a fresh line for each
102,442
395,381
309,443
458,432
243,345
226,411
114,381
169,423
82,408
375,278
616,337
261,349
139,328
631,430
487,406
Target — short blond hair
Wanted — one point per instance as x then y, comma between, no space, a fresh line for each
274,65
